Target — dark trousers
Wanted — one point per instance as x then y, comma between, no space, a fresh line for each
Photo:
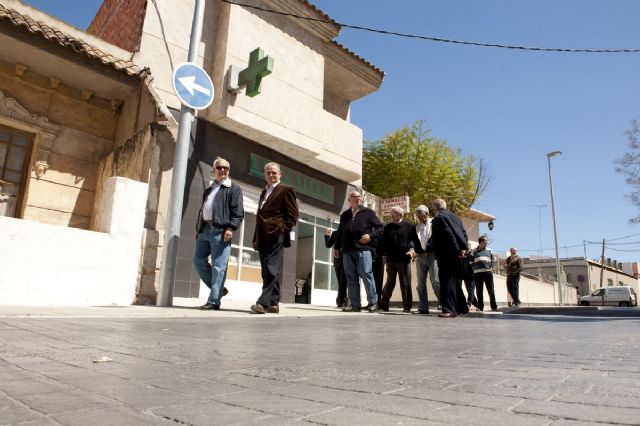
452,297
513,287
342,299
271,252
377,267
485,278
470,285
403,271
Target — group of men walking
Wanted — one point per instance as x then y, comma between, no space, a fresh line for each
439,246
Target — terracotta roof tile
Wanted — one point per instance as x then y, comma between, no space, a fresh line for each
360,58
79,46
321,12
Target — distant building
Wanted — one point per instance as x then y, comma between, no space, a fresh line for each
583,274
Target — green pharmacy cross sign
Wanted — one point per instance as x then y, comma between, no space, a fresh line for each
259,66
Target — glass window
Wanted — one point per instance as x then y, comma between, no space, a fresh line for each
334,279
20,140
322,252
323,222
15,159
14,177
14,155
610,282
250,266
321,272
249,224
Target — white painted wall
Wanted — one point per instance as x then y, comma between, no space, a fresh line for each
43,264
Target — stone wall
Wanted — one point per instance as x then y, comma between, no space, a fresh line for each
84,131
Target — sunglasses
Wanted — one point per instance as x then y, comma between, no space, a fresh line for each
222,168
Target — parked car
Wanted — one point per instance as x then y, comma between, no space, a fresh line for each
611,296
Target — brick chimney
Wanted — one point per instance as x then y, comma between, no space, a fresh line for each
120,22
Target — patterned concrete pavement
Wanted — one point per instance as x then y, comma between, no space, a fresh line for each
155,366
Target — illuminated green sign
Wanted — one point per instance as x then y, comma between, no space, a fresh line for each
302,183
259,66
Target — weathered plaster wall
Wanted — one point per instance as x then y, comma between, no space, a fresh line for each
44,264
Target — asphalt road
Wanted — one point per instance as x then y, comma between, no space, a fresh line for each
337,369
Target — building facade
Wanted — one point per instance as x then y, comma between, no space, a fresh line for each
299,119
585,275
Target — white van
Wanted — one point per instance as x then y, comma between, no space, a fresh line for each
611,296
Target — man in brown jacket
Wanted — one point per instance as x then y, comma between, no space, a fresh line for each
276,217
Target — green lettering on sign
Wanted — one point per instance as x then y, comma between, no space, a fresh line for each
259,66
302,183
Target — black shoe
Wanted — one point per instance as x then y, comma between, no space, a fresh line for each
224,291
258,309
352,309
421,312
210,307
373,308
406,311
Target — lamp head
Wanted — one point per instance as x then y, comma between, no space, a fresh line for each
490,225
553,154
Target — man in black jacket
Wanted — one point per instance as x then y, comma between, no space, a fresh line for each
221,214
451,244
397,249
359,229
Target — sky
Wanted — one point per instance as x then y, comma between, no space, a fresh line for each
507,107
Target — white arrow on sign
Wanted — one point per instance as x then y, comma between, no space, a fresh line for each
190,84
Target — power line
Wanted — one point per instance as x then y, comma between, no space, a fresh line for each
435,39
629,251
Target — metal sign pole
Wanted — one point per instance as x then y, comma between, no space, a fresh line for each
174,212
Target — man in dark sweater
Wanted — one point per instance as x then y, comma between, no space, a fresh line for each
397,250
359,229
330,238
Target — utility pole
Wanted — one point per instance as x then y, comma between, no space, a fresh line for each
601,264
179,176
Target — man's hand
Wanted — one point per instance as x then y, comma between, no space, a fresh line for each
463,253
228,234
411,253
336,253
365,239
328,231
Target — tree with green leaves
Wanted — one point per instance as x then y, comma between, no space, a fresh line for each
629,165
410,162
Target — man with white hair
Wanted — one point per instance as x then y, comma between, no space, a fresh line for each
359,230
451,244
426,264
397,249
221,215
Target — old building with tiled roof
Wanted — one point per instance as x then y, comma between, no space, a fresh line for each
105,104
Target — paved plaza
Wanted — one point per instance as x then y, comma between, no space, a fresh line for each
163,366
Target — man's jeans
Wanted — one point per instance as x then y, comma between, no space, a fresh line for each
358,264
211,242
426,265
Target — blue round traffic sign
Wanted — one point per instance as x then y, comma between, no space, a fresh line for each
193,86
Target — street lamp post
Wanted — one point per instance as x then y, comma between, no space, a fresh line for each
555,230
